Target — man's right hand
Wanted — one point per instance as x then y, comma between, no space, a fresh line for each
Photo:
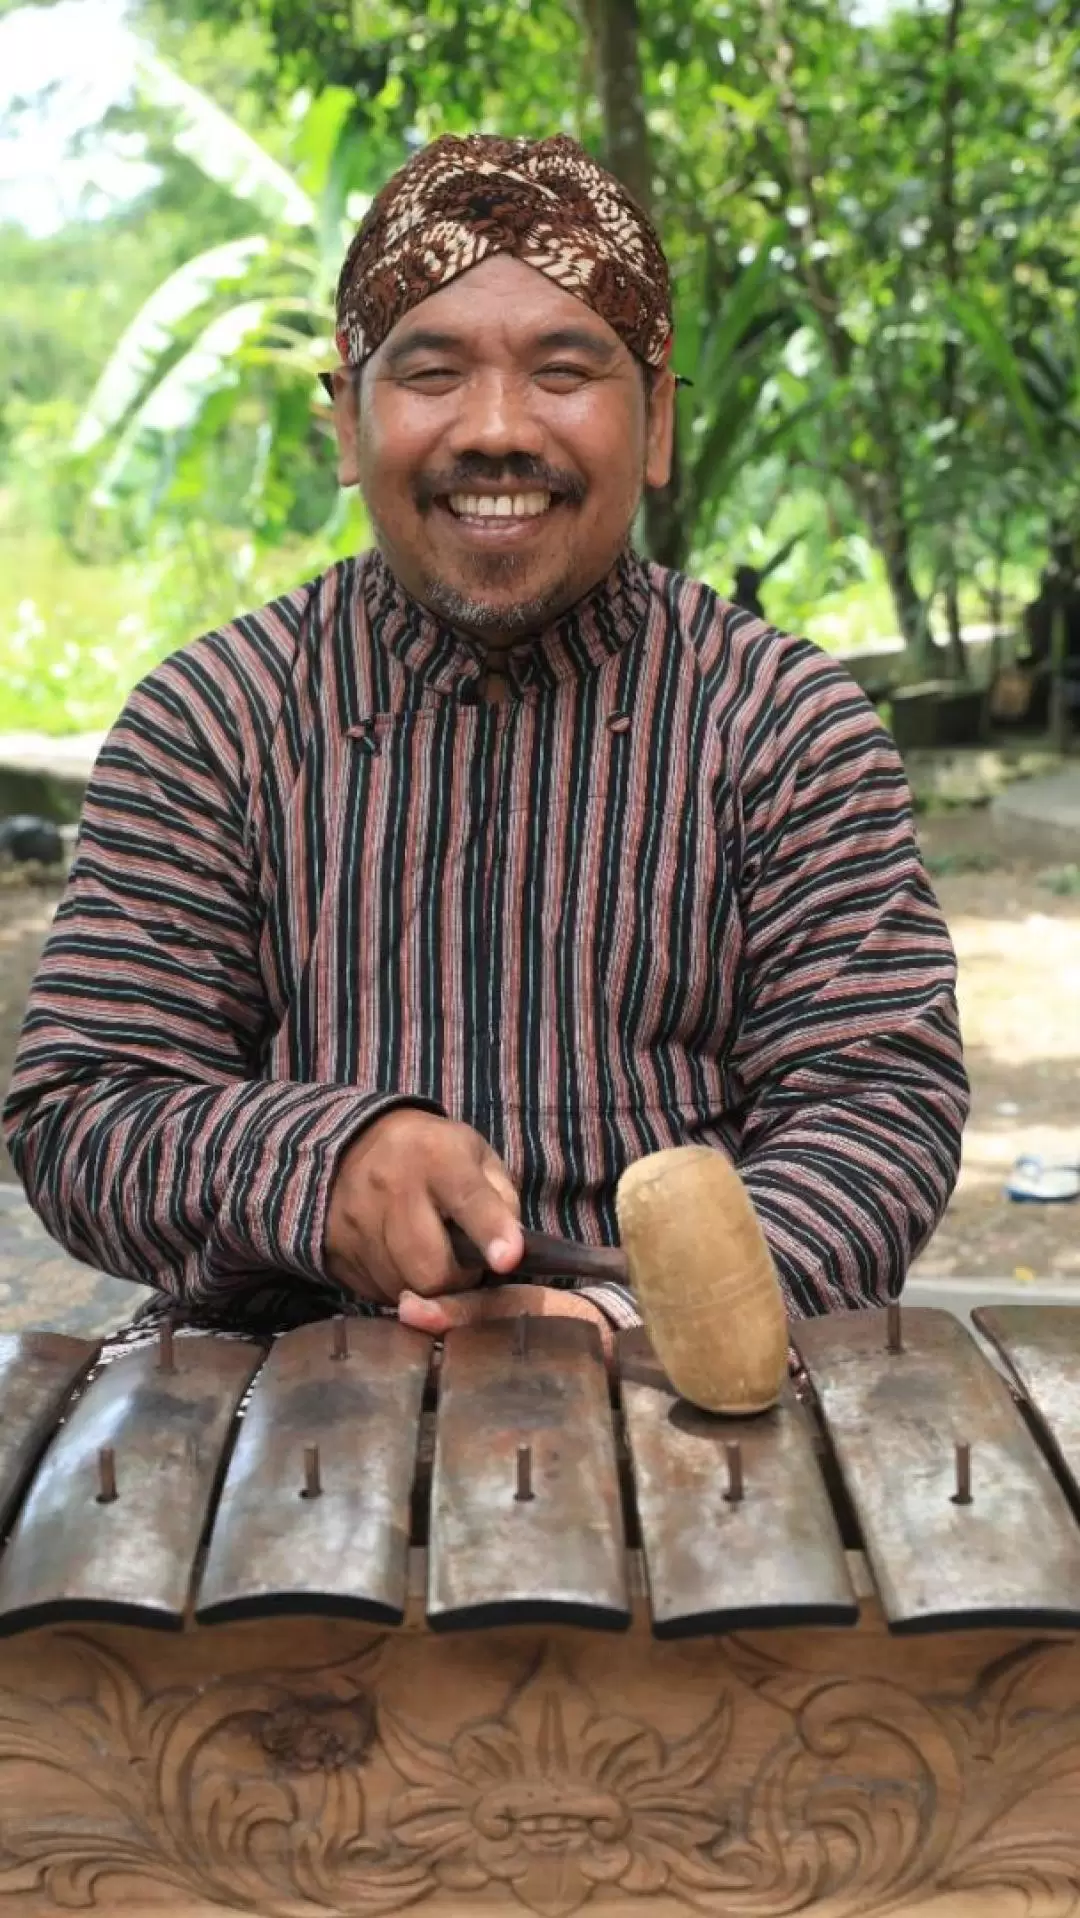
406,1173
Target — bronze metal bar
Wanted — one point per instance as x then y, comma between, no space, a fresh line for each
1040,1344
339,1339
344,1551
38,1373
940,1565
166,1354
713,1562
79,1551
962,1494
494,1559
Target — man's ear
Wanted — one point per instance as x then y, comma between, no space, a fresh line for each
660,429
346,411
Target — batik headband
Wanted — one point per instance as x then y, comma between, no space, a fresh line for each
545,202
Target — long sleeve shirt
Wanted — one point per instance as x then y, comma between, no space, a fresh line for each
667,891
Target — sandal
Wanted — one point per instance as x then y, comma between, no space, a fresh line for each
1033,1183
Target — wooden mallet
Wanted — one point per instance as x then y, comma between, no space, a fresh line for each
695,1257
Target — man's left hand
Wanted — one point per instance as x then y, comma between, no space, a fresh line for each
453,1309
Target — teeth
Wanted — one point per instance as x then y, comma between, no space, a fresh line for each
501,506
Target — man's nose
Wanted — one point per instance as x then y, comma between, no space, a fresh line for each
496,415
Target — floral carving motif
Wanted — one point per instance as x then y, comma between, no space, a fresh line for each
554,1799
303,1794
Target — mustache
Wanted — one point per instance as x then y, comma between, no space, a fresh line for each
518,467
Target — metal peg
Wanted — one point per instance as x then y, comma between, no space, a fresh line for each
962,1494
312,1474
894,1340
521,1335
735,1491
524,1475
339,1342
166,1355
106,1459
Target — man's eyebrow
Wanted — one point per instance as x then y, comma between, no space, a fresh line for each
562,339
424,340
577,339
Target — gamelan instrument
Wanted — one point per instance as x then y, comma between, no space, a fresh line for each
351,1623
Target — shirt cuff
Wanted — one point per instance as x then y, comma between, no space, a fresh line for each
616,1302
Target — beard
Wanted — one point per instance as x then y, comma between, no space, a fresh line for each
471,610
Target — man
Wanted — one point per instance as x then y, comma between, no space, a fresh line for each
450,883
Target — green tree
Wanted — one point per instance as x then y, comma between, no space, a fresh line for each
837,201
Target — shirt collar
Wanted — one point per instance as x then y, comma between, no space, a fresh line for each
599,625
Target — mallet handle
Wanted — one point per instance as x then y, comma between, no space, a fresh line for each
549,1257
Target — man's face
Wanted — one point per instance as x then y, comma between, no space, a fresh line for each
501,442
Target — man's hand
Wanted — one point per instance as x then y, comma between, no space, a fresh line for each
500,1302
405,1174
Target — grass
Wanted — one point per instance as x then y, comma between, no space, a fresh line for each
947,865
74,638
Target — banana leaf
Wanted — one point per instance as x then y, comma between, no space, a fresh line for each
145,342
220,147
175,403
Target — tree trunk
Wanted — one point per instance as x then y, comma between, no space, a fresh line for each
876,494
957,656
614,28
1060,719
910,611
875,489
950,359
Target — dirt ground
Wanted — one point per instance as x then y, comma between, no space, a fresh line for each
1018,944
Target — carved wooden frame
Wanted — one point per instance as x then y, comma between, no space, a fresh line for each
314,1768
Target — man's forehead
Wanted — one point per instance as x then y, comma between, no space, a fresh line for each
506,302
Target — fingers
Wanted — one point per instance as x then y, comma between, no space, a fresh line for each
455,1310
438,1316
497,1176
418,1256
485,1207
407,1173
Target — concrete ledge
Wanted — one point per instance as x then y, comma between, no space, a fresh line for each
1048,808
48,776
1055,798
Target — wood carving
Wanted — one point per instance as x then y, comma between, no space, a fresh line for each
305,1769
554,1798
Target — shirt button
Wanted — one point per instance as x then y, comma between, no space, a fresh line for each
364,735
618,723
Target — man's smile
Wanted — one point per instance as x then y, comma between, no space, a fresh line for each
499,519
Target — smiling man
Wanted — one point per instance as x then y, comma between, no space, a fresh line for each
452,882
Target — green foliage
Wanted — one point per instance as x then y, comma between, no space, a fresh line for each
75,637
874,248
1062,880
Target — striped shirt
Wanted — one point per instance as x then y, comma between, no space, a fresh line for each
666,892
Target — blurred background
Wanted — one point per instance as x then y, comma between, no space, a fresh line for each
872,210
873,216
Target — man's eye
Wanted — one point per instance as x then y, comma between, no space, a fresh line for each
562,370
429,375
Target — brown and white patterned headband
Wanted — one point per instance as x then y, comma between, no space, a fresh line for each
545,202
